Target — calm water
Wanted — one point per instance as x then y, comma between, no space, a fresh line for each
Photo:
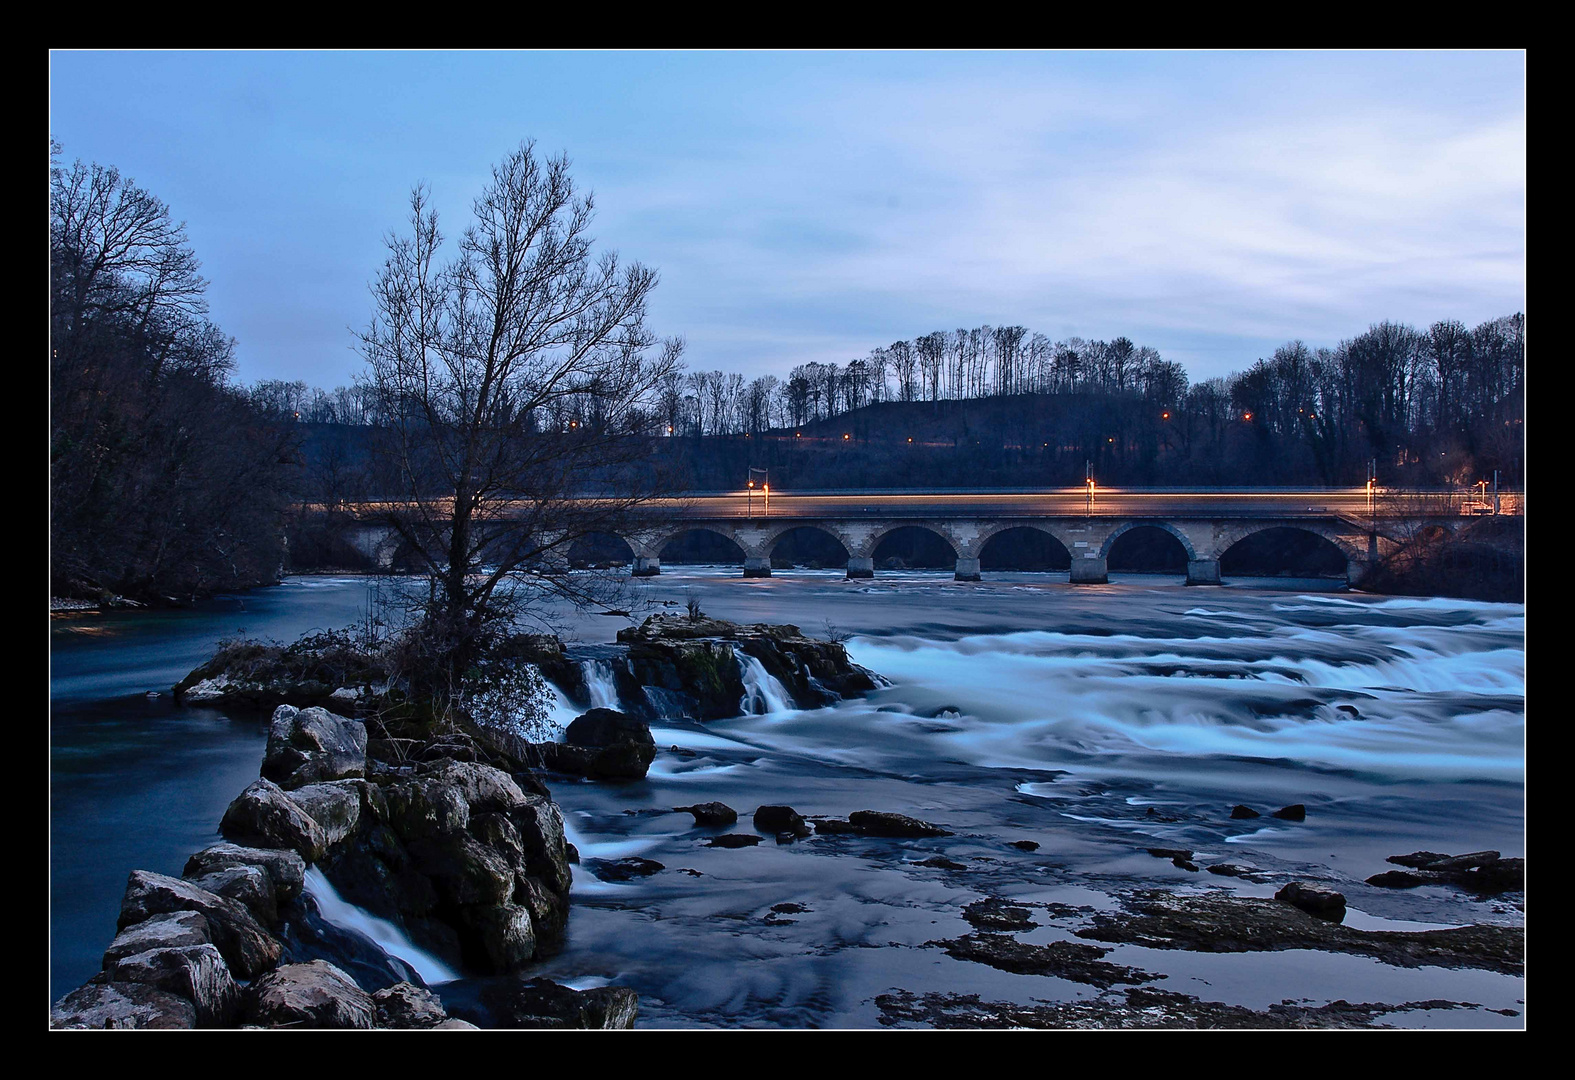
1021,708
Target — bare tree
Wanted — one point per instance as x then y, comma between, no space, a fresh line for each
513,382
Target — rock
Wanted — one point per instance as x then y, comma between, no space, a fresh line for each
1349,709
1397,879
169,930
406,1006
899,826
1185,864
310,995
624,869
733,840
620,761
307,746
425,807
1060,959
454,1024
483,787
1234,870
1170,853
1232,924
335,806
1465,862
994,913
194,972
780,819
541,1003
1239,812
264,816
122,1005
1316,900
607,727
248,884
1294,812
1502,875
941,862
1418,859
1025,845
246,946
835,827
285,869
711,813
505,935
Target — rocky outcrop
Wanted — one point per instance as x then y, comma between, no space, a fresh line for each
285,869
246,946
474,868
879,823
695,662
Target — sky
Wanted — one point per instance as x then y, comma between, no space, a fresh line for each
811,206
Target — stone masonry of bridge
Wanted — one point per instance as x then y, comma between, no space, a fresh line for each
1088,539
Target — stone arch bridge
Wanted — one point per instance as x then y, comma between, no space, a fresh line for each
1363,528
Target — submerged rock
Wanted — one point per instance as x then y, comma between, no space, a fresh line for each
897,826
711,813
776,820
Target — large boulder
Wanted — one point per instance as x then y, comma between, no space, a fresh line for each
285,869
405,1006
264,816
250,885
122,1005
308,746
170,929
605,727
246,946
335,806
194,972
311,995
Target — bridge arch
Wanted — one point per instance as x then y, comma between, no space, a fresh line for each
810,543
1352,544
1163,526
1289,550
699,544
1034,543
942,550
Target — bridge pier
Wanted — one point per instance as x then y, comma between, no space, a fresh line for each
757,566
861,567
1203,571
1091,569
967,570
646,566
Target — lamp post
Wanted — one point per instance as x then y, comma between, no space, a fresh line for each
1088,476
749,493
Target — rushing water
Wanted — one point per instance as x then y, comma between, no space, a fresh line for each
1094,721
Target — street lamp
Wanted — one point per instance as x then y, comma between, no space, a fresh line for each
749,493
1088,476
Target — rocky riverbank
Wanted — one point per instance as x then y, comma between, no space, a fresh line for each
468,857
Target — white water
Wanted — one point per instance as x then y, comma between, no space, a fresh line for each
763,693
388,937
600,684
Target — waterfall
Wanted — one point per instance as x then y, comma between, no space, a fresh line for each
385,934
762,692
600,684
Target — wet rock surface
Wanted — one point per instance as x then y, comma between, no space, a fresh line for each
1482,872
711,813
1140,1007
1160,920
1061,959
514,1002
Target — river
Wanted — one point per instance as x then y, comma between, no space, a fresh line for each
1094,722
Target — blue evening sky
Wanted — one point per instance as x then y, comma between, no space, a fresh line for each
812,205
